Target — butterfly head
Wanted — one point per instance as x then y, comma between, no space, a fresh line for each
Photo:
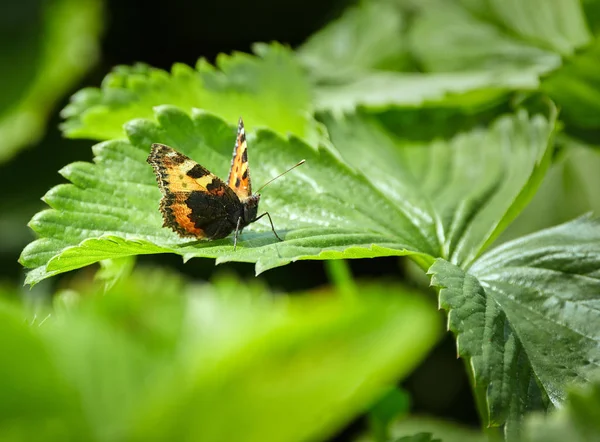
250,207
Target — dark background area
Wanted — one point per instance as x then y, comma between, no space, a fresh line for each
183,31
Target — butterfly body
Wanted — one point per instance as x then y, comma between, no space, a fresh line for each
196,203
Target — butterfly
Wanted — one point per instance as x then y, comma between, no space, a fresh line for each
196,203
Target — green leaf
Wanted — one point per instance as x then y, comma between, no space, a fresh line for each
272,377
559,25
434,183
377,91
111,209
267,90
530,35
112,349
526,319
578,421
40,65
357,61
156,358
367,36
34,399
537,40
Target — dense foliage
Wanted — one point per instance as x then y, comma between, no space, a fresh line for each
428,128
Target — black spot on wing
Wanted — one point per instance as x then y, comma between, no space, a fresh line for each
197,172
237,182
215,185
245,174
245,156
178,159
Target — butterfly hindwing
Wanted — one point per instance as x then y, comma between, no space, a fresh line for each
239,174
195,202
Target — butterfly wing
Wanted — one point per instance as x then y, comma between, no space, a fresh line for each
239,174
195,202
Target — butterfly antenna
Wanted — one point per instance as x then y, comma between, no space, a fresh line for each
300,163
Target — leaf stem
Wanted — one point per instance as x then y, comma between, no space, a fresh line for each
341,277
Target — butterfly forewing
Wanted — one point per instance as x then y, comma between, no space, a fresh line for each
195,202
239,174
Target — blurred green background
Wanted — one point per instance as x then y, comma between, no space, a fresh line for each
50,49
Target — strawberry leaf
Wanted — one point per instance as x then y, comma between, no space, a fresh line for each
366,36
500,36
434,181
241,84
111,208
112,367
367,58
526,318
550,41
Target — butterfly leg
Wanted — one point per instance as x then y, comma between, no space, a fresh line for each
237,232
271,221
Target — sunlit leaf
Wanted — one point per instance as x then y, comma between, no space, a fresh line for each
526,318
548,41
268,89
467,35
434,182
366,36
324,210
157,358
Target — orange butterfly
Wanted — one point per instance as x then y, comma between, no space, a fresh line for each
198,204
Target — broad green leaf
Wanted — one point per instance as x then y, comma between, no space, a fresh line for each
539,40
559,25
366,36
268,89
380,90
112,348
448,38
528,35
357,61
40,64
156,358
111,208
578,421
462,192
35,401
291,370
526,319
